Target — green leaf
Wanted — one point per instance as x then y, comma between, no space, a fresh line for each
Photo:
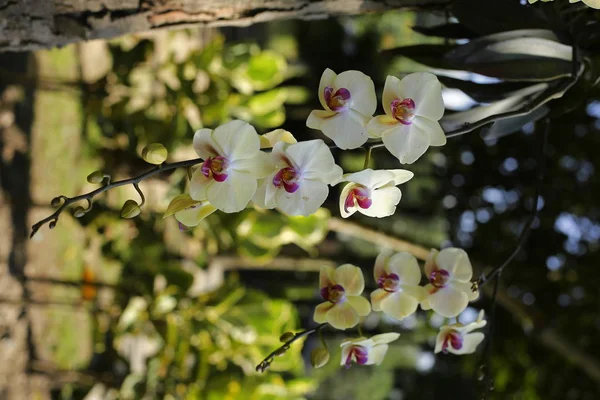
449,31
180,203
272,119
267,102
484,93
265,68
296,94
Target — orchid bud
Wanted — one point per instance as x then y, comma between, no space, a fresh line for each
130,209
56,202
319,357
78,212
95,177
154,153
286,337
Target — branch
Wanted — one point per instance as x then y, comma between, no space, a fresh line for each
67,201
534,213
264,364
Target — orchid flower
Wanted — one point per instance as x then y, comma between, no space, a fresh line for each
349,101
192,215
300,174
232,164
269,139
341,289
458,339
449,290
398,278
372,193
365,351
412,108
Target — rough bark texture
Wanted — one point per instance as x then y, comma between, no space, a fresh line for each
34,24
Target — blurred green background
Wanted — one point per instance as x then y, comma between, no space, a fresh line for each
106,308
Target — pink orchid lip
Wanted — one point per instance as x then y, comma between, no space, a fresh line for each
403,110
360,353
454,340
359,195
439,278
214,167
337,101
389,283
288,178
333,294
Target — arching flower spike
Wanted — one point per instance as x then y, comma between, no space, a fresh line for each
349,101
372,193
300,173
449,290
365,351
398,278
412,108
341,289
460,339
232,164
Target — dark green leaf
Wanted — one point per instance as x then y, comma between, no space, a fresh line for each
448,31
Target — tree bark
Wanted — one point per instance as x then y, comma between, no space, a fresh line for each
35,24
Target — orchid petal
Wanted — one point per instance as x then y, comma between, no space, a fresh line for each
377,296
204,145
456,262
351,278
193,215
399,305
391,92
425,90
377,354
385,338
362,90
448,301
320,315
406,142
342,316
347,129
405,266
437,137
360,305
372,179
401,175
198,185
380,124
469,343
327,79
259,166
317,117
384,201
237,139
345,212
304,201
233,194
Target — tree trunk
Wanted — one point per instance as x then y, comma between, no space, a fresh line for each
35,24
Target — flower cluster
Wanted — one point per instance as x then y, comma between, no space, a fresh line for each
398,295
413,106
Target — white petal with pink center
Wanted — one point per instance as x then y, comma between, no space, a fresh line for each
365,351
460,339
412,108
299,178
232,165
372,192
450,289
349,101
192,216
398,278
341,288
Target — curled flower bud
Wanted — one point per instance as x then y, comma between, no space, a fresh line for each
130,209
78,212
319,357
154,153
95,177
286,336
52,224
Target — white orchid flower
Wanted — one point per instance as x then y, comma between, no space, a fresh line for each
372,193
192,215
398,278
450,289
458,339
412,108
232,165
365,351
341,288
300,173
269,139
349,101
